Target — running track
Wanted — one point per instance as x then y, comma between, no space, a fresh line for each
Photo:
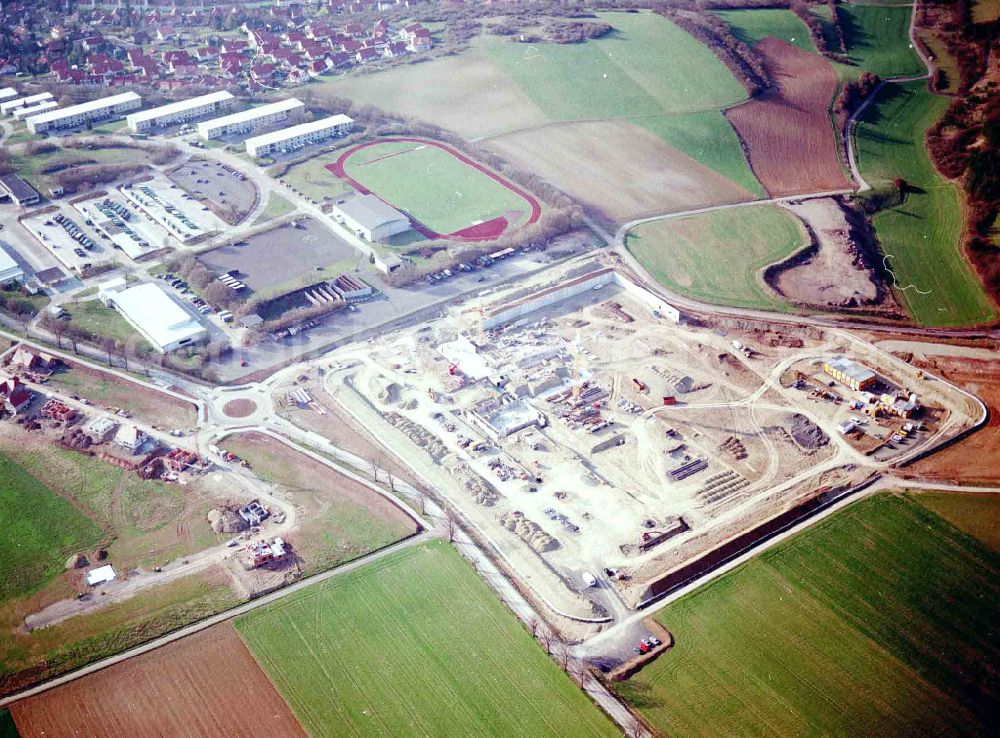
485,231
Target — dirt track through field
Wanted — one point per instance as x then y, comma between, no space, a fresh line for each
618,168
205,685
788,134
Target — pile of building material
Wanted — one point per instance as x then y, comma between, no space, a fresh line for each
721,486
806,433
226,521
688,469
734,446
419,435
670,527
528,531
615,309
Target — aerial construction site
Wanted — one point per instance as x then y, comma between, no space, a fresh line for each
603,442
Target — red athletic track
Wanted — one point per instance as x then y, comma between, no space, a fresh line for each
481,231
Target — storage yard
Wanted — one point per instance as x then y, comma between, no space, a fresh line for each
588,432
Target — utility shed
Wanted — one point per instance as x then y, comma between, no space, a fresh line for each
20,192
101,575
371,218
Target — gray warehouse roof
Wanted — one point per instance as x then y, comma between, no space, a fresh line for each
17,187
370,212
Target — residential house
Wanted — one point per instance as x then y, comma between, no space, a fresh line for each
14,396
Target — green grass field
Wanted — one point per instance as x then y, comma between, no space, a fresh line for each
101,321
7,727
878,39
428,183
718,256
648,66
313,179
974,513
750,26
880,620
921,236
275,208
709,138
41,530
415,644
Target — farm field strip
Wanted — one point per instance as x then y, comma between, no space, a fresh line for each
752,26
974,513
628,172
781,645
708,138
459,662
792,143
207,684
920,238
878,39
647,65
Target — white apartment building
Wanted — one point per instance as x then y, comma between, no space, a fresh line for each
181,111
304,134
88,112
9,106
248,121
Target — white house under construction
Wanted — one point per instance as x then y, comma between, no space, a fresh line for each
304,134
88,112
248,121
181,111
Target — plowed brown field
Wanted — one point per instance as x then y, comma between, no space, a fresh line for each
789,137
205,685
617,168
975,460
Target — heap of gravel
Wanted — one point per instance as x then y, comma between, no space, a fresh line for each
226,521
806,433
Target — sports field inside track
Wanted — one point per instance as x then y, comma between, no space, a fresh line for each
880,620
433,184
414,644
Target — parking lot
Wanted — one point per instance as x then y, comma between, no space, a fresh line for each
131,230
69,239
230,194
284,258
178,212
